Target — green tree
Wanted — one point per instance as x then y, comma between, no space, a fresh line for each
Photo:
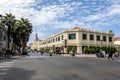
85,49
113,49
73,51
97,49
21,32
8,21
16,30
68,50
92,50
26,29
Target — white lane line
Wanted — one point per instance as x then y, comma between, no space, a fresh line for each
3,73
4,68
37,56
6,64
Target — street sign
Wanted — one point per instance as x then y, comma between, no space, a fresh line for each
65,43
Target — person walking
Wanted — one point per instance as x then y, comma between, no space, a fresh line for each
42,52
110,55
117,54
51,52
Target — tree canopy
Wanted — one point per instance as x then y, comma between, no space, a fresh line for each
18,31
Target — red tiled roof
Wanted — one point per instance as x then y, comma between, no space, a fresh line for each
117,39
78,28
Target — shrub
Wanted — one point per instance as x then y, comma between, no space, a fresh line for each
68,50
24,52
73,51
85,49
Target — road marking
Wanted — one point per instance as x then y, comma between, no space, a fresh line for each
4,68
3,73
117,60
37,56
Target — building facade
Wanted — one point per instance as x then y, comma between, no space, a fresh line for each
117,43
79,38
35,45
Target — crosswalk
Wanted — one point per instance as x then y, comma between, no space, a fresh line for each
37,55
4,68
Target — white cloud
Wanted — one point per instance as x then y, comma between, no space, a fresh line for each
115,9
111,11
95,17
21,8
76,3
49,15
17,7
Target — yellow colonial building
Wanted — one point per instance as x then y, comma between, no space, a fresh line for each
36,43
77,37
117,43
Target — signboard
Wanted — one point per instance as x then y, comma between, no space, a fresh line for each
65,43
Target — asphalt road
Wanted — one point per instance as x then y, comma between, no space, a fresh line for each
59,68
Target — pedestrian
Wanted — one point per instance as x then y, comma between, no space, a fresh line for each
42,53
61,52
118,54
51,52
110,55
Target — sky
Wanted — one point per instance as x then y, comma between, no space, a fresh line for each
53,16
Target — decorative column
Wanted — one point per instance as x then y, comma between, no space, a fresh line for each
107,40
101,39
95,38
88,38
79,42
65,41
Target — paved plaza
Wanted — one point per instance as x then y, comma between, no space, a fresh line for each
45,67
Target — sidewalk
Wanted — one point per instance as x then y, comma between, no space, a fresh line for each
81,55
86,55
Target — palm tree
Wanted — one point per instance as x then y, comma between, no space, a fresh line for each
18,30
8,22
26,30
15,35
22,29
2,26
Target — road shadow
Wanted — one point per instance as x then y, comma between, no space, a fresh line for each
17,74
